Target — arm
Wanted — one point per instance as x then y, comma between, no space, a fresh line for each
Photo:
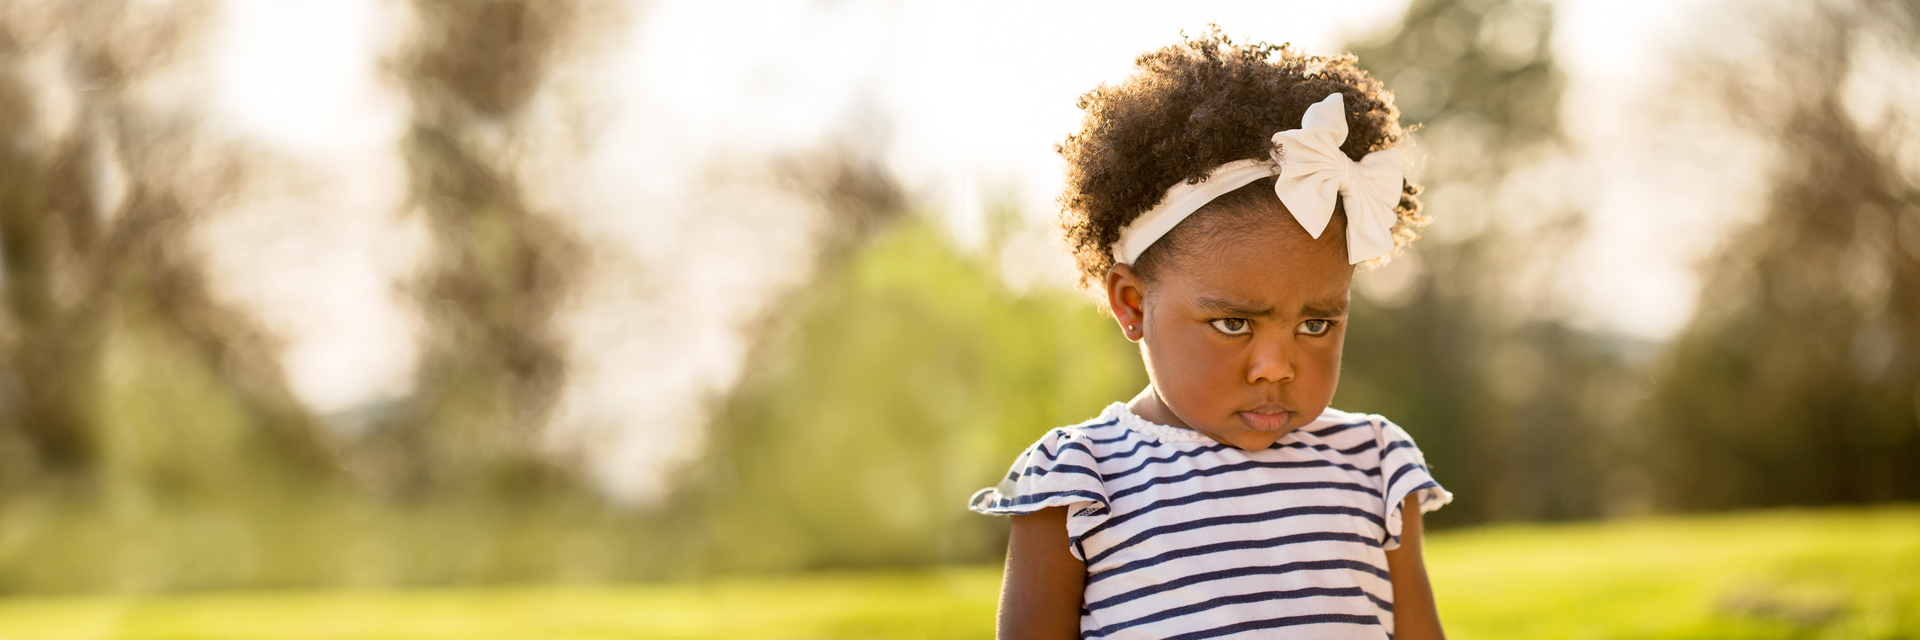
1040,595
1414,616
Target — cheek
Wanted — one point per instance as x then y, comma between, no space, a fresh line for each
1324,363
1189,359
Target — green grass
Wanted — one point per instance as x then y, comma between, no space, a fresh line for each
1776,574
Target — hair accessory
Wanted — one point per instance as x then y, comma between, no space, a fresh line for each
1312,172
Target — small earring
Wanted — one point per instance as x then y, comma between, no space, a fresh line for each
1129,327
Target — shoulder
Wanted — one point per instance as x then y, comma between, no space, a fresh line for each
1364,436
1093,435
1345,431
1077,447
1334,421
1392,437
1059,469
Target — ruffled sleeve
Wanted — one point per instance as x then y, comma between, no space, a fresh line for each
1057,471
1403,472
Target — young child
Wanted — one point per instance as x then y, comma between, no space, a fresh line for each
1217,202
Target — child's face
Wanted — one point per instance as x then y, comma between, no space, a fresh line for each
1242,339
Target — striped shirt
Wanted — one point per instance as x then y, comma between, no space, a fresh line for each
1184,537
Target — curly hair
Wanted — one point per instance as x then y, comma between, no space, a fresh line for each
1197,105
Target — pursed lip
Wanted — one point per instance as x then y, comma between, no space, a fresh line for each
1270,417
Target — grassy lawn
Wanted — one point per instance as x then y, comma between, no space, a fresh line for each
1776,574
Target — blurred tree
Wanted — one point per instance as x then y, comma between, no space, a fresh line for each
1470,351
101,186
910,379
1796,381
499,270
147,435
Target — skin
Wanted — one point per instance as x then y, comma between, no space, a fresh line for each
1041,590
1242,342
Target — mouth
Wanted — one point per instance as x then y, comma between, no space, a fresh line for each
1265,418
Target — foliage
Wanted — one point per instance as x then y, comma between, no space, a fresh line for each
1797,382
101,186
499,271
148,440
275,536
910,377
1836,574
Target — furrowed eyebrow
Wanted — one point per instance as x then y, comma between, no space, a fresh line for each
1232,308
1325,309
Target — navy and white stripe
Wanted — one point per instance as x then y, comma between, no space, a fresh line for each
1185,537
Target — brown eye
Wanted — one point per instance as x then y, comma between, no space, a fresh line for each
1232,326
1316,327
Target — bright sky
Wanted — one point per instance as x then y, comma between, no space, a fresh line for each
964,99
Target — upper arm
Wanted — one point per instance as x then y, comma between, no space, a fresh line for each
1414,615
1041,593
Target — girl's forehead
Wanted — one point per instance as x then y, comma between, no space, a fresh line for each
1258,253
1269,279
1277,250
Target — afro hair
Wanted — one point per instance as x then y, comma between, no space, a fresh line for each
1197,105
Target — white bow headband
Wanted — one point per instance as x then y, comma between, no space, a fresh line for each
1312,171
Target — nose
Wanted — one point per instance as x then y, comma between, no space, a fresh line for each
1271,360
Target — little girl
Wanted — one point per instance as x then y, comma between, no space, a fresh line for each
1217,202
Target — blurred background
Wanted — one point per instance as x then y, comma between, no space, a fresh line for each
385,296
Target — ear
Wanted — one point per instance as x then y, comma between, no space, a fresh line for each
1126,297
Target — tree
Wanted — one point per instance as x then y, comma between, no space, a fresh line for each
98,201
500,269
1796,382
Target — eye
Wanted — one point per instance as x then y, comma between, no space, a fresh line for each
1232,326
1316,327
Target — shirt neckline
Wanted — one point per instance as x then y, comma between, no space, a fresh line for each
1152,429
1164,433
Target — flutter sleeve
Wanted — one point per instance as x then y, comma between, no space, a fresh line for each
1057,471
1403,472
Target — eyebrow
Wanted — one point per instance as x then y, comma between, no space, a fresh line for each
1232,308
1328,308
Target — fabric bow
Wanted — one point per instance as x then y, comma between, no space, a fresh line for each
1312,172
